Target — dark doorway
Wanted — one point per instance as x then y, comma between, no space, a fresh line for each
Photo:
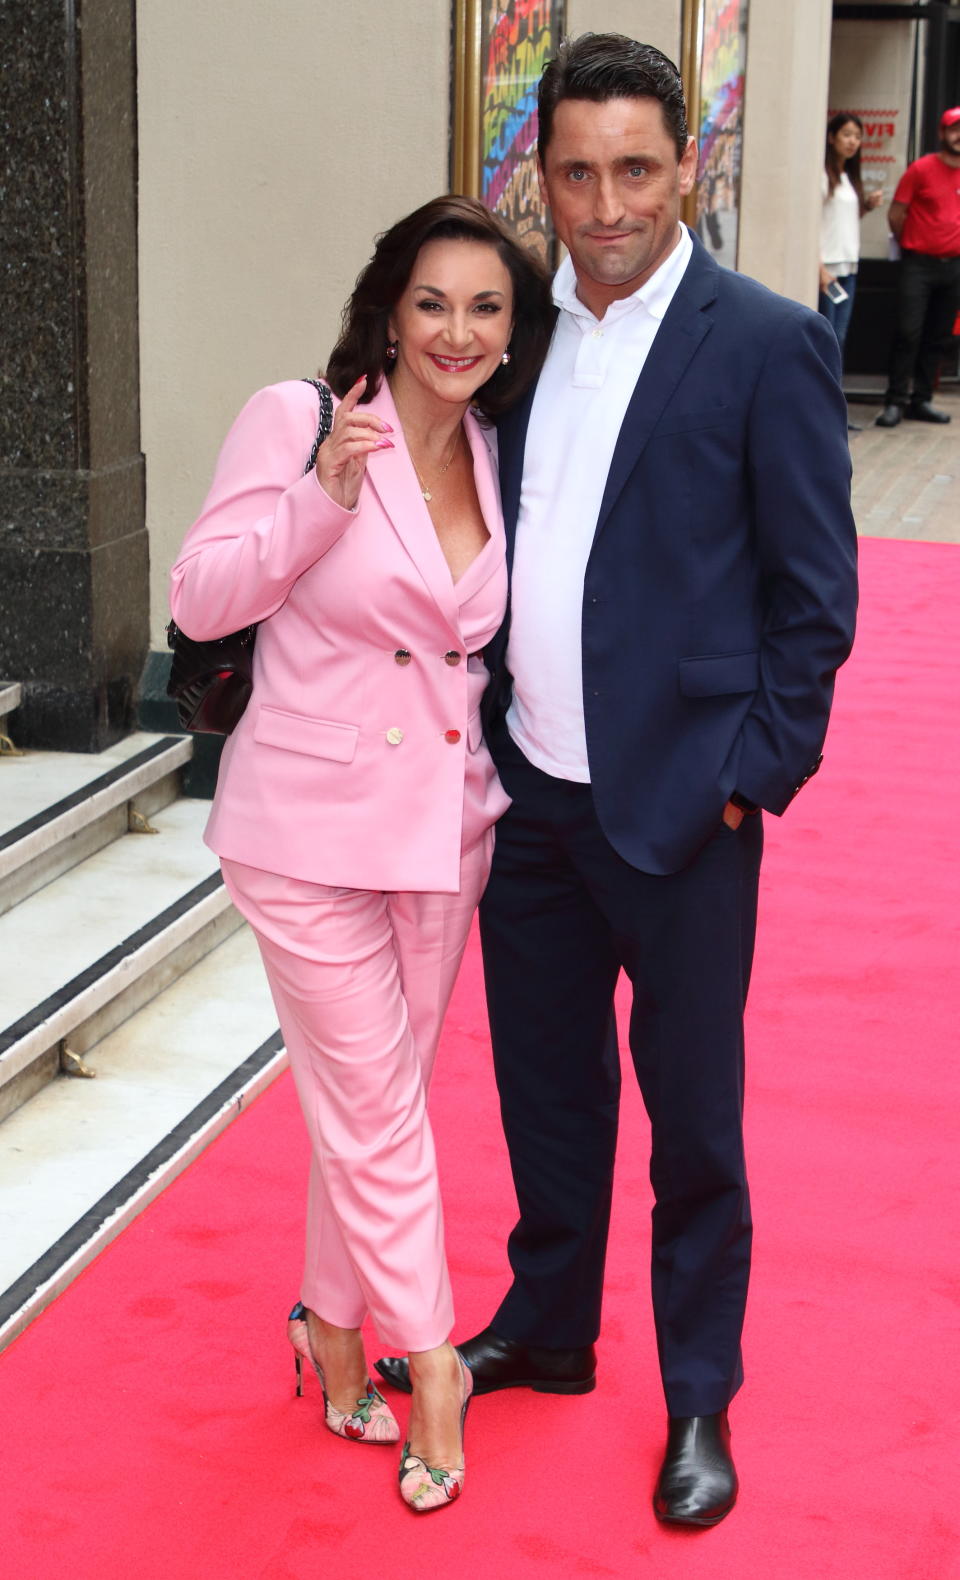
934,85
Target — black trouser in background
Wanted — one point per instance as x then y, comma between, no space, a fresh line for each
928,297
562,915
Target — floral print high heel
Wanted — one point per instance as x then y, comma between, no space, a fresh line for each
425,1487
371,1421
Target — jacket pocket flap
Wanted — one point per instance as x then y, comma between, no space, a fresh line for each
315,737
713,677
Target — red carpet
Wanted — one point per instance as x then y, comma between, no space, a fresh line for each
149,1424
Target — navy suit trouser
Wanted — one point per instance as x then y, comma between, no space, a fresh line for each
562,915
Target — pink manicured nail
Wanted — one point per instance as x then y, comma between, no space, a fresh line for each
384,444
385,427
361,380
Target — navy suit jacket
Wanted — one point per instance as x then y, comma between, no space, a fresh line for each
720,593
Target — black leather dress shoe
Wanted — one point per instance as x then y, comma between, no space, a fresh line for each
697,1483
500,1363
922,411
889,417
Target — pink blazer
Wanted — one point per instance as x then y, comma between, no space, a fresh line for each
359,761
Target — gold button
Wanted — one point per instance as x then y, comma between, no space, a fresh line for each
394,736
451,658
401,656
452,736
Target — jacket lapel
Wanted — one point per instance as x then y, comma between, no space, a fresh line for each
511,440
485,474
394,481
684,326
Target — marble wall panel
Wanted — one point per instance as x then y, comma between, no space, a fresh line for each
73,546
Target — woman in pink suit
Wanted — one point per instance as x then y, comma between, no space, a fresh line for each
356,799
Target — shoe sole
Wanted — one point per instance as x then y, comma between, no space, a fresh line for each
539,1385
700,1524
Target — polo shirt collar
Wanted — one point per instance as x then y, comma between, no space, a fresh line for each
655,295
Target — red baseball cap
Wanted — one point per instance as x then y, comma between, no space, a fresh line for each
950,117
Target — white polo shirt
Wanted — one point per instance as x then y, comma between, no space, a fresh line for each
587,380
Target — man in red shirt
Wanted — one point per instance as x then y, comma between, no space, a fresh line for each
925,218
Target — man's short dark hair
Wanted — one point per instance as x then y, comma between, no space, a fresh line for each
601,66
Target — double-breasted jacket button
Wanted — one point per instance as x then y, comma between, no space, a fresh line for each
401,656
451,658
394,736
452,736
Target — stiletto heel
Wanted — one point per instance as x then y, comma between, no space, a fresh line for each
372,1421
424,1487
299,1338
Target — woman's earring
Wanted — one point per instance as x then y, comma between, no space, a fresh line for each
391,351
505,358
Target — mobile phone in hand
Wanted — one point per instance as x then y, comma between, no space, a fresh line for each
835,293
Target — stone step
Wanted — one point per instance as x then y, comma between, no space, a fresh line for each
9,699
83,1157
84,953
58,808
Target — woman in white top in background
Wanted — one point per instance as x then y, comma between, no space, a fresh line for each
844,204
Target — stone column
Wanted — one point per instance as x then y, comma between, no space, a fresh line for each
784,115
73,542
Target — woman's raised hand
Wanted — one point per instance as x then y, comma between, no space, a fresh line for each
342,459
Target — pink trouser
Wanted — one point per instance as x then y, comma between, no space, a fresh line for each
361,982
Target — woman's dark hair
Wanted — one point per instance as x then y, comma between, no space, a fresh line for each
851,169
601,66
362,347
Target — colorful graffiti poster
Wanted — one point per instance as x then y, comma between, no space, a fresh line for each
720,133
518,37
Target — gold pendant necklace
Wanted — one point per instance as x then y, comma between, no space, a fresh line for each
425,491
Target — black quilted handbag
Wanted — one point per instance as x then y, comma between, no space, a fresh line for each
211,682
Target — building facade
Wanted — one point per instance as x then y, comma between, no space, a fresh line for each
195,191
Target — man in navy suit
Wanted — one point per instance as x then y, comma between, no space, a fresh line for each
683,590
